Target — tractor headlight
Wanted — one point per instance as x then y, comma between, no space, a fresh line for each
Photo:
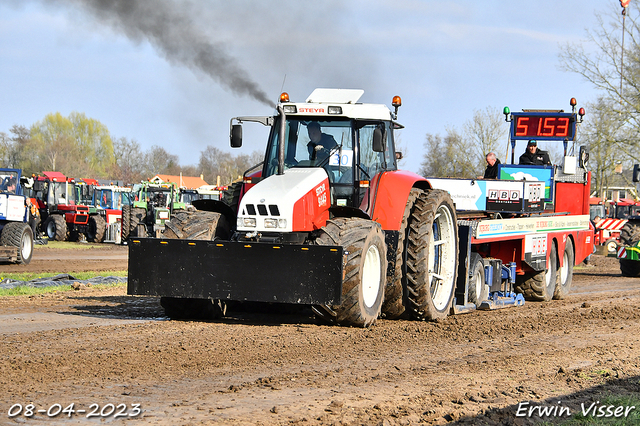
246,222
275,223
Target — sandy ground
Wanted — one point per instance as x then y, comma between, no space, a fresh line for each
107,352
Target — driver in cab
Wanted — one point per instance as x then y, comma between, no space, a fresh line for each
320,144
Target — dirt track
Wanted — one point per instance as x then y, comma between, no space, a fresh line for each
102,347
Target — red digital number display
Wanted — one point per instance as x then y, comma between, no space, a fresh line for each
537,126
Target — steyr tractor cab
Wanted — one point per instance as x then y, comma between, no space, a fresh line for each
152,204
63,216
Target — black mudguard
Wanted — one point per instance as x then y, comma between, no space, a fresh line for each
241,271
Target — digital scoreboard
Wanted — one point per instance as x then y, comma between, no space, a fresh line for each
549,126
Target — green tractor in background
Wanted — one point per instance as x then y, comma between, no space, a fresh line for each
152,205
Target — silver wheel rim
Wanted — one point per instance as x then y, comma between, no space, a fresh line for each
564,270
51,229
371,276
442,261
479,282
26,246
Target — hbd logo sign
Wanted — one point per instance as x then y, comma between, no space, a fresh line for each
503,195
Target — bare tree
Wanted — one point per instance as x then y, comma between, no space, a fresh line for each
463,155
618,108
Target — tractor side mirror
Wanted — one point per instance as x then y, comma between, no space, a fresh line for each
378,143
398,155
236,136
38,186
636,172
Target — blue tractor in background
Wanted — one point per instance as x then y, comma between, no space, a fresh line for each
16,234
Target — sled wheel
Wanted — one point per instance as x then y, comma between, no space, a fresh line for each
540,286
478,289
565,272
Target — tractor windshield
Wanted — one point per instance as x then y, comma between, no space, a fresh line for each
9,181
310,143
61,193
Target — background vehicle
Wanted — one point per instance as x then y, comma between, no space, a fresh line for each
105,209
151,206
16,236
335,225
63,217
628,253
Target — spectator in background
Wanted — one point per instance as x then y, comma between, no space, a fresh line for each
491,172
535,156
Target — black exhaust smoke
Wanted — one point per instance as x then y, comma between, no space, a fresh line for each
170,29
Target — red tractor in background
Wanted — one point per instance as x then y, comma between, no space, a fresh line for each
62,218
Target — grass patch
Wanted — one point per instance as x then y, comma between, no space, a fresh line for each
30,291
35,291
64,245
28,276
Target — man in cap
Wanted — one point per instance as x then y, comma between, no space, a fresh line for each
535,156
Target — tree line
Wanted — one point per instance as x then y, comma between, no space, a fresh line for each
82,147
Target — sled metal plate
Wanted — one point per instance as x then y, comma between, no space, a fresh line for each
241,271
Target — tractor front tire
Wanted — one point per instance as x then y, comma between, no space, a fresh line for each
19,235
56,227
364,272
97,229
432,256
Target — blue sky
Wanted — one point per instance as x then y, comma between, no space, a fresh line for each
444,58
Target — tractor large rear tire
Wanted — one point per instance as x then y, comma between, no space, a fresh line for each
195,225
364,272
432,256
540,286
56,227
394,292
565,272
126,219
96,229
629,236
19,235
